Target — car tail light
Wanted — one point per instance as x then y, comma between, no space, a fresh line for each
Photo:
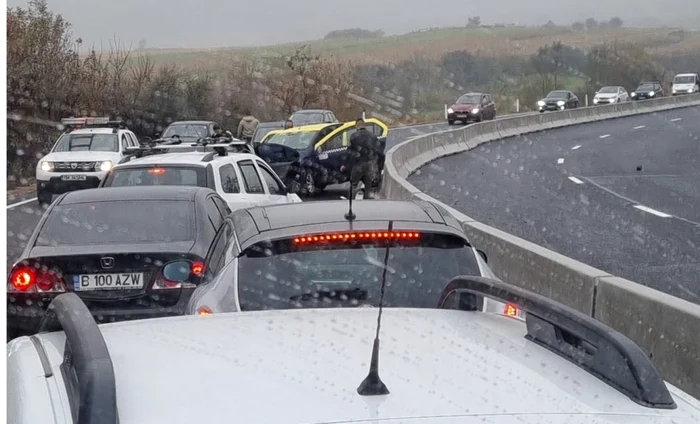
510,310
156,171
49,281
363,235
22,279
204,310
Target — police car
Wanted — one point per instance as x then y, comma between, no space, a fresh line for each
448,364
241,179
82,155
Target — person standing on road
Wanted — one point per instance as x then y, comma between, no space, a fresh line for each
247,127
362,158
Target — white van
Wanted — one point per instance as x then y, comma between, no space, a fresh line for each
685,84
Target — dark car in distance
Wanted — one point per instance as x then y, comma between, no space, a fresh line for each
189,131
264,128
111,246
648,90
313,116
473,107
558,100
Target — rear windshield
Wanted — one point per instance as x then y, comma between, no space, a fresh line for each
261,132
144,221
306,118
164,175
282,275
187,131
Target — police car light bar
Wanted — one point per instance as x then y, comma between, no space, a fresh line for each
85,121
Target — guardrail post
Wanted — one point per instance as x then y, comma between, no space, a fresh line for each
517,105
363,115
445,111
586,99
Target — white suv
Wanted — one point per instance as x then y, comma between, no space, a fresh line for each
447,365
241,179
81,157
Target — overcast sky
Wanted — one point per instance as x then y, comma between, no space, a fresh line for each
217,23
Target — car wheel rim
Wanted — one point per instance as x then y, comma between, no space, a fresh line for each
309,182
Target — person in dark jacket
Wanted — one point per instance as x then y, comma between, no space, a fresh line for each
362,159
218,132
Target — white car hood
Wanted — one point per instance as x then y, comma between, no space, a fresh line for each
304,366
81,157
606,96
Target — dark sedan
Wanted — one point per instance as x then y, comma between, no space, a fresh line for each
264,128
558,100
110,246
648,90
472,107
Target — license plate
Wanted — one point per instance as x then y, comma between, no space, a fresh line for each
125,281
74,177
461,115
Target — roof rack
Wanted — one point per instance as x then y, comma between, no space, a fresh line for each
590,344
87,368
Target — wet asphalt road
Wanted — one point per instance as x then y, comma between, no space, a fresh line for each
620,195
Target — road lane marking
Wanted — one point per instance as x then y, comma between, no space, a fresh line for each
605,136
560,161
639,127
652,211
576,180
676,119
23,202
576,147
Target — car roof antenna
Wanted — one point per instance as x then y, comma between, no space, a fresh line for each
373,385
350,215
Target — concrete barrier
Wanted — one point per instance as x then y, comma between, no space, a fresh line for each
665,327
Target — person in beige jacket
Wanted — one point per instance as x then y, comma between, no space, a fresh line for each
247,126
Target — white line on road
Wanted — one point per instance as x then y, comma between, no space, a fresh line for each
605,136
576,147
560,161
676,119
23,202
576,180
652,211
639,127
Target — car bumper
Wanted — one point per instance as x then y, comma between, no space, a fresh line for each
56,185
551,108
25,312
462,116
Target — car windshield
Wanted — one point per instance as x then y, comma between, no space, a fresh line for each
161,175
645,87
306,118
557,94
187,131
608,90
689,79
87,142
347,274
469,99
143,221
299,140
261,132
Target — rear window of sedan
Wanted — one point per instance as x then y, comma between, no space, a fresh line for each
161,175
286,274
125,222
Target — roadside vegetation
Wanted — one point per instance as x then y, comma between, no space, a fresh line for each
401,79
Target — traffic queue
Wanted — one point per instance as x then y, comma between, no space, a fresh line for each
128,213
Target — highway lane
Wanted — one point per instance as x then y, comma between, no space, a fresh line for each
620,195
23,212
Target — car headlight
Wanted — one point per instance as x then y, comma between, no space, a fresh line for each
475,110
47,166
595,100
633,94
651,93
450,110
541,103
690,90
561,103
106,165
674,90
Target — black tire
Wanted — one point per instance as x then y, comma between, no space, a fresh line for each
450,122
479,118
44,198
308,183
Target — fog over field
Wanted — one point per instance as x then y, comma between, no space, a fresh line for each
217,23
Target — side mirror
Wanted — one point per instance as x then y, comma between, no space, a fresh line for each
178,271
483,255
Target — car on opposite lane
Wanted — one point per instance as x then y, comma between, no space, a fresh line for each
81,156
472,107
611,94
303,255
110,246
189,131
448,364
685,84
648,90
241,179
313,116
558,100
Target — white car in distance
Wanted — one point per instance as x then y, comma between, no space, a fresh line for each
82,156
685,84
241,179
610,95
